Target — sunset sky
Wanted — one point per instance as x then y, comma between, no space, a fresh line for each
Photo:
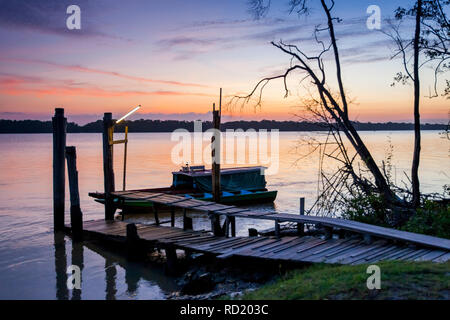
173,56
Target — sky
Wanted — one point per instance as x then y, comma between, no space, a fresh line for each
171,57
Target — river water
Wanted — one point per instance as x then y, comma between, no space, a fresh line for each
33,261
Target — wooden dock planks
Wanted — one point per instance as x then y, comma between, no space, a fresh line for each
290,249
220,209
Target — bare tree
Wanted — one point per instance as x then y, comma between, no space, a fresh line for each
431,38
331,108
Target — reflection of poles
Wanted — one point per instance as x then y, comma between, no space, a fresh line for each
132,278
77,260
61,267
111,272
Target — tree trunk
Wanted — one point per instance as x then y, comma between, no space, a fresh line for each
416,155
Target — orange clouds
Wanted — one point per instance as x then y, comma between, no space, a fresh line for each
16,85
79,68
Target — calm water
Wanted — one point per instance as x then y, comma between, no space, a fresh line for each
33,261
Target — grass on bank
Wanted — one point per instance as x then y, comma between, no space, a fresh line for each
399,280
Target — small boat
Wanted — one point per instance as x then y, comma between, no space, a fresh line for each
240,185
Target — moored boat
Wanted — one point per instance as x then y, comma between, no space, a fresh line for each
239,185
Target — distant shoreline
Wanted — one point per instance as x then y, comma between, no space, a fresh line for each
37,126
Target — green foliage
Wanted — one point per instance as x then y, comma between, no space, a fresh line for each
399,280
369,209
432,219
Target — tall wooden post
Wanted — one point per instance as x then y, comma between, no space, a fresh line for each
301,226
108,170
215,154
59,146
76,216
125,158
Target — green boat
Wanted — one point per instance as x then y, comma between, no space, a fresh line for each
240,185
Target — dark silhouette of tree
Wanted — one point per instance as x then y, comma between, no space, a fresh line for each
429,46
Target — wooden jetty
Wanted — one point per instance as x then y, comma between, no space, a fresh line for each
290,249
367,244
215,209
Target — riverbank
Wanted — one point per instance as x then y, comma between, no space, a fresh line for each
399,280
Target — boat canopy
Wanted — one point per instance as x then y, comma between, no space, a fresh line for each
231,179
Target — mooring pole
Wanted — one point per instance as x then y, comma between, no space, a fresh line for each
301,226
125,158
76,216
215,154
59,145
108,170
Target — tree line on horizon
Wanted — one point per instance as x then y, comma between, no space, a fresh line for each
37,126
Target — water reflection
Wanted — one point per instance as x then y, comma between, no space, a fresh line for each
62,292
28,247
110,278
77,260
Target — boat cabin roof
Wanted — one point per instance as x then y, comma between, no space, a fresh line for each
200,171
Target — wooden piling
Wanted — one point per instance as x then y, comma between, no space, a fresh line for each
233,226
328,233
277,229
215,154
125,159
155,212
171,257
301,226
187,221
215,224
135,250
172,217
59,123
108,170
76,216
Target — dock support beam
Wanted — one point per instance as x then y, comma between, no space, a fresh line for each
187,221
59,123
215,224
233,226
252,232
301,226
171,256
76,216
155,212
135,249
172,217
108,170
215,154
277,229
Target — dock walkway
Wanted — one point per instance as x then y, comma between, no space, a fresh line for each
213,208
295,249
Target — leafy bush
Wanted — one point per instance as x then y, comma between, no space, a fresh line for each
432,219
369,210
